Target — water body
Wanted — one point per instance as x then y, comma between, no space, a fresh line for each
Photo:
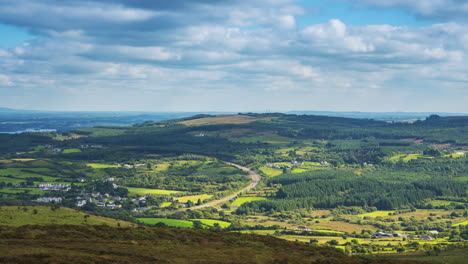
33,130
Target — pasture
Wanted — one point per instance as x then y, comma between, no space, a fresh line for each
101,165
68,151
241,200
224,119
168,222
193,198
143,191
210,222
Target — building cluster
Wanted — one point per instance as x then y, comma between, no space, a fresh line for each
54,187
101,200
388,235
49,199
86,146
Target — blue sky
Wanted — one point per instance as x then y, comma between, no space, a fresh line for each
228,55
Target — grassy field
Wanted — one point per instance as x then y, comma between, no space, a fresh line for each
210,222
241,200
21,190
442,202
271,172
23,160
103,132
143,191
25,215
409,157
168,222
376,213
456,256
461,223
66,151
100,165
193,198
223,119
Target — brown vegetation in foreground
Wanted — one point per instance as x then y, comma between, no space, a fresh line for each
104,244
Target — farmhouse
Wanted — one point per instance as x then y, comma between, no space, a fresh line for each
301,228
426,237
434,232
382,235
49,199
80,203
54,187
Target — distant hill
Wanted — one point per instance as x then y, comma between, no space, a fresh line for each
384,116
102,244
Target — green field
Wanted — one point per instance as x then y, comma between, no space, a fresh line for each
271,172
241,200
22,190
101,165
25,215
193,198
462,223
103,132
210,222
456,256
442,202
168,222
376,214
408,157
143,191
66,151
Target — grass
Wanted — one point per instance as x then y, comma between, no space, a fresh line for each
241,200
271,172
143,191
462,223
23,160
100,165
210,222
223,119
103,132
67,151
442,202
21,190
376,214
17,216
193,198
168,222
455,256
409,157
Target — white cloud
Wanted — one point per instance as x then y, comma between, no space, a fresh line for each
5,80
447,10
244,46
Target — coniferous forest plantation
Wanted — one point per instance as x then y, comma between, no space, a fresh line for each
240,188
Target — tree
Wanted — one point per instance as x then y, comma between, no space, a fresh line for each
54,207
197,224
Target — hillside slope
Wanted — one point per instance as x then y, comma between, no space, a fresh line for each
103,244
43,215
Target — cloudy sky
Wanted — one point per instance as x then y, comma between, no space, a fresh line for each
228,55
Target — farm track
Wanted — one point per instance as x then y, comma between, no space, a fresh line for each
255,181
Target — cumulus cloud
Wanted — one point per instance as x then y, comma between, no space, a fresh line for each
254,49
429,9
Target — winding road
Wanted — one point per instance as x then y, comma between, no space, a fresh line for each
255,181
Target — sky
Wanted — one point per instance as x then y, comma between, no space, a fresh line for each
227,55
